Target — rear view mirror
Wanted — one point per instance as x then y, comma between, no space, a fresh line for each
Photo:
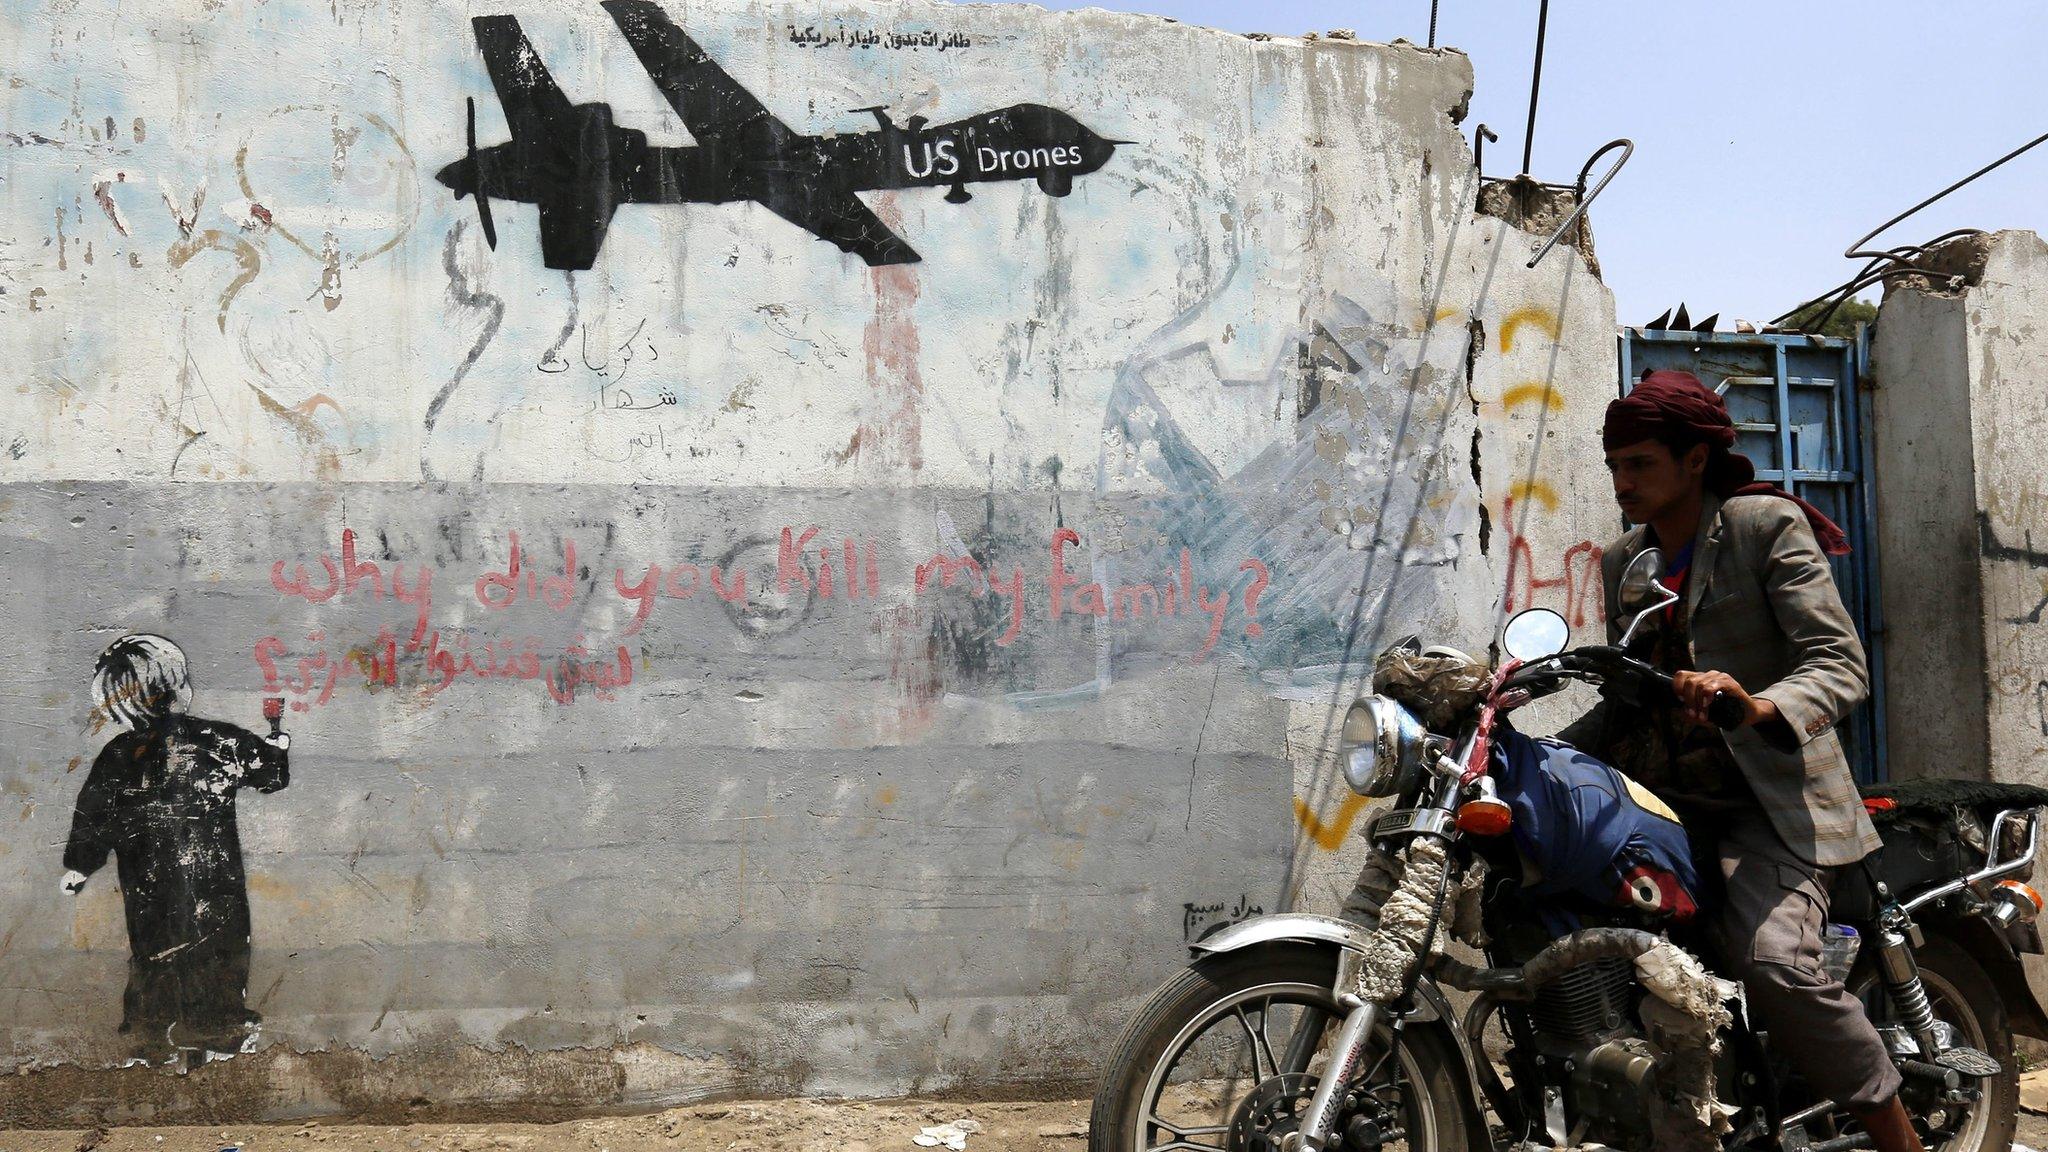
1641,592
1534,634
1639,587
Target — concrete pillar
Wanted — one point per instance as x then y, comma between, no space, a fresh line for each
1962,511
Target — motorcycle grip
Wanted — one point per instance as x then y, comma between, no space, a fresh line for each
1726,712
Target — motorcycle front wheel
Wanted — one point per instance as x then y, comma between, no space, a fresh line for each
1224,1058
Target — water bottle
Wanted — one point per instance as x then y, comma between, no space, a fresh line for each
1838,945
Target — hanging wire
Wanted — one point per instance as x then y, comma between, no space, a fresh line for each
1894,261
1373,601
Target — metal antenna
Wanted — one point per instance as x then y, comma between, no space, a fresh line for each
1432,23
1535,86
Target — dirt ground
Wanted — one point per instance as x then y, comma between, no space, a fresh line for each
761,1126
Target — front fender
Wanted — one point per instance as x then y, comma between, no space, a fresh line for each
1284,926
1429,1007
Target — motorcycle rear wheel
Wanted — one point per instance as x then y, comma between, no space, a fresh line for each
1426,1072
1963,995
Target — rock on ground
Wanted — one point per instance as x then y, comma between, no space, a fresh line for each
2033,1130
2034,1092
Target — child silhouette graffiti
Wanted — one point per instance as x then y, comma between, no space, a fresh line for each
161,799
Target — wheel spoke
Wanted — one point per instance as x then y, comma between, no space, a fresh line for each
1308,1036
1179,1130
1181,1143
1215,1079
1374,1071
1259,1045
1265,1038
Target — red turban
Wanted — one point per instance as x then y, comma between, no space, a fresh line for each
1674,407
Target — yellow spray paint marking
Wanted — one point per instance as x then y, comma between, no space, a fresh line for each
1532,392
1537,490
1443,314
1329,836
1542,318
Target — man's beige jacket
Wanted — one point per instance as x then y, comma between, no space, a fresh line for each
1764,609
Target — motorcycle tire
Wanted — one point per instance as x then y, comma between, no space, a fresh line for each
1114,1124
1965,996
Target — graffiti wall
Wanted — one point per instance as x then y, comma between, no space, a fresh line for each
585,557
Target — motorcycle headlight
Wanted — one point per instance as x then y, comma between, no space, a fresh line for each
1383,747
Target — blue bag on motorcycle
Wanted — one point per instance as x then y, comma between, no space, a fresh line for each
1589,831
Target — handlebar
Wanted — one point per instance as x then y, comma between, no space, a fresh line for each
1606,663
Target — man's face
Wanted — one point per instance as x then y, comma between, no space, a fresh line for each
1649,481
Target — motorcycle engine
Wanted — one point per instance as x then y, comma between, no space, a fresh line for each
1585,1024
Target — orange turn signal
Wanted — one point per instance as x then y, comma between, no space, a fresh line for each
2023,890
1485,816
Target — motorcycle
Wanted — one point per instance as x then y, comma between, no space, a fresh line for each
1307,1033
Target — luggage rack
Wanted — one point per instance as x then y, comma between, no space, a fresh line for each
1993,868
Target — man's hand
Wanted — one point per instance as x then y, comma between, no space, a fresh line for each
1696,691
73,881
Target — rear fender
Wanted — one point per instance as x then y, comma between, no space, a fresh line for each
1990,948
1430,1008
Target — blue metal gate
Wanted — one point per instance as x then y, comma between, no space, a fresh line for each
1798,414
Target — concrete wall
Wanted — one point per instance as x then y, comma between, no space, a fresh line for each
674,816
1961,418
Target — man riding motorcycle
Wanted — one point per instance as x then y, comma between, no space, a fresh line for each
1772,803
1770,806
1582,895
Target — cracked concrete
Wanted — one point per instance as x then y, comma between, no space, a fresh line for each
1538,209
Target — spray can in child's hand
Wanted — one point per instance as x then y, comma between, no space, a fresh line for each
273,711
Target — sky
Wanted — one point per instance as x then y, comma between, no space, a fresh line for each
1769,135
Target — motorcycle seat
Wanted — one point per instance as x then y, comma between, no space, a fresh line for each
1921,848
1924,796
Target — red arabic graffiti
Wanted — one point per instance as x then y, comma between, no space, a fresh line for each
313,677
432,660
1578,581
